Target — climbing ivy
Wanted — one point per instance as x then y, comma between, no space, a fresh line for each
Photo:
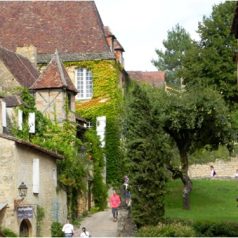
106,101
60,139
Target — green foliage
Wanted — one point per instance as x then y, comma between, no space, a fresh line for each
146,155
176,45
216,229
8,232
193,120
60,139
99,188
39,219
166,230
210,61
56,229
106,101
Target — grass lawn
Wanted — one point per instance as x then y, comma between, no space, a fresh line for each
210,200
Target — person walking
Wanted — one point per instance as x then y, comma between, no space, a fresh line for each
213,172
68,229
85,233
115,202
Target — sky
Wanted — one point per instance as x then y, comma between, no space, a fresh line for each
142,25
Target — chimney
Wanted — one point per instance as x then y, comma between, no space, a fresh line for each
29,52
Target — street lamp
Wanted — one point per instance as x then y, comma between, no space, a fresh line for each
22,190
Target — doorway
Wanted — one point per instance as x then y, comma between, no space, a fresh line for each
25,228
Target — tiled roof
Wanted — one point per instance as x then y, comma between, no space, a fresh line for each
33,146
54,76
117,45
154,78
12,101
20,67
69,26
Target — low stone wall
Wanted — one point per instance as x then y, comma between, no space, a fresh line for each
223,168
125,226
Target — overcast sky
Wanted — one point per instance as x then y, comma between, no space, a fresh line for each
142,25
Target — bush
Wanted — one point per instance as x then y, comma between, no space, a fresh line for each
56,230
166,230
8,233
221,229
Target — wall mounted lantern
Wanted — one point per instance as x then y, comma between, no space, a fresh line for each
22,190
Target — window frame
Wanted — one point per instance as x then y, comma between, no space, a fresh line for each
86,83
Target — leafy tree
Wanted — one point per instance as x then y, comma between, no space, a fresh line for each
193,120
210,62
146,154
170,60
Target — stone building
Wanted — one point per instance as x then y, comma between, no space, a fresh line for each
21,161
94,65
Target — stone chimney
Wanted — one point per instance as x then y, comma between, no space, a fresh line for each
30,52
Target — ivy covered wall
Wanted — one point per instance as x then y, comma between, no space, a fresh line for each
106,101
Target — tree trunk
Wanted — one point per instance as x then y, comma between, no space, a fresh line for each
186,180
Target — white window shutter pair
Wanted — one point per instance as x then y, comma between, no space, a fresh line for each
31,121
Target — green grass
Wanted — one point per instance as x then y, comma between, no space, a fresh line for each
210,200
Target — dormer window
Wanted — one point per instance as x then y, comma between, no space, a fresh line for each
84,83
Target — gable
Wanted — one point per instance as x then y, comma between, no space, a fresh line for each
7,79
40,23
18,67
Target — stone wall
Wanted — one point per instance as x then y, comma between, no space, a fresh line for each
16,162
223,168
52,104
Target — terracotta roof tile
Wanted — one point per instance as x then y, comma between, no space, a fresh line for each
20,67
69,26
154,78
54,76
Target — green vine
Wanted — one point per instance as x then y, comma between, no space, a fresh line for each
106,101
39,218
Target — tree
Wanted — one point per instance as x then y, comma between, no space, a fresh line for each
146,155
193,120
177,43
210,62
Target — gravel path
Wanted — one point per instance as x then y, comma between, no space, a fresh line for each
99,224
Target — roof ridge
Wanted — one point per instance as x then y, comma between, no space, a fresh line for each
59,65
19,57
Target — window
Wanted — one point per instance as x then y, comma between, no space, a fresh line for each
84,83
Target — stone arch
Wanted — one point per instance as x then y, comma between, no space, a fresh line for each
25,229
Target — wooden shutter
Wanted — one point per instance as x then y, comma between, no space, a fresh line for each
36,176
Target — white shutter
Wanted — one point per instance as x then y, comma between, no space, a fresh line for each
36,176
101,127
31,122
20,119
4,114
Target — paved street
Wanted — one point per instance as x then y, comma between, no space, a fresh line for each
99,225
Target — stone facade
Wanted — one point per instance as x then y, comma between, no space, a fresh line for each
52,103
16,162
223,168
30,52
7,80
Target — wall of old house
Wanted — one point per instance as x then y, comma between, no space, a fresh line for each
52,104
8,186
30,52
7,80
223,168
17,161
